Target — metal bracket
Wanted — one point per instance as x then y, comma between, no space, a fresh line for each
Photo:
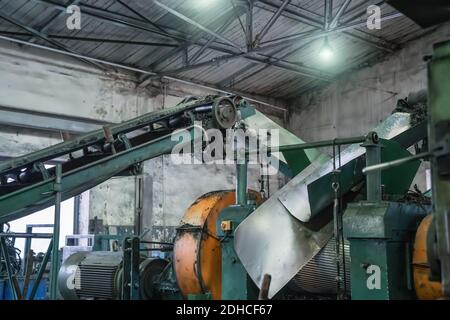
39,166
130,278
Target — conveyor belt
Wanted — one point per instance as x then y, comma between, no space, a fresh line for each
26,185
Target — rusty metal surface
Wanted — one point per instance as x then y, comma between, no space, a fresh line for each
425,289
197,253
197,250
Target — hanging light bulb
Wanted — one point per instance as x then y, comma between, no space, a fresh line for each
326,53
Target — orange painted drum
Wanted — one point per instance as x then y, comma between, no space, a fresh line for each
197,252
425,289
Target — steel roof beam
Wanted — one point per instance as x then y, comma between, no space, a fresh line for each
137,13
196,24
90,39
238,15
334,22
271,22
275,62
328,11
320,34
249,25
98,14
223,28
146,79
305,16
44,37
48,23
118,19
260,69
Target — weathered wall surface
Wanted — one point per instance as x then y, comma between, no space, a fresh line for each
170,189
356,103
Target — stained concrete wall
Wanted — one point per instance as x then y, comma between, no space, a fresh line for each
35,81
357,102
170,189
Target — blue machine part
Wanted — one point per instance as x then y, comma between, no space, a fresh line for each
41,293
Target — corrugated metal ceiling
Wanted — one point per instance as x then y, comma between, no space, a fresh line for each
277,71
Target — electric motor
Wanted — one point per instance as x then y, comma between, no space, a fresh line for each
98,275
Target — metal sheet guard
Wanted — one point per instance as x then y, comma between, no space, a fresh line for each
271,240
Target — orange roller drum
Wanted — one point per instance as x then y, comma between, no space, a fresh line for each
425,289
197,252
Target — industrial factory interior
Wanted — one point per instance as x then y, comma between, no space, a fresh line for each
274,151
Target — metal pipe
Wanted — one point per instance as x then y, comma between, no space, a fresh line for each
373,178
41,270
26,235
241,183
157,242
39,225
56,229
27,247
312,145
386,165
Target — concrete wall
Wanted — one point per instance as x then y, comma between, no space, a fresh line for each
32,81
357,102
170,189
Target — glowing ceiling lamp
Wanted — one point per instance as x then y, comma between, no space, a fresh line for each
326,53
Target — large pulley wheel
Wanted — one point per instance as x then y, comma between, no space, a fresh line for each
224,113
150,270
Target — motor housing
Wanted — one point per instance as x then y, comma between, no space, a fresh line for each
97,275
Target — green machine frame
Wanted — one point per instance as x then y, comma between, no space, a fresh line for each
236,283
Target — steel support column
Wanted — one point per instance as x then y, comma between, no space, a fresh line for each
241,183
56,231
373,179
41,270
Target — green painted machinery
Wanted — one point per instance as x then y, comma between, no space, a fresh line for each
236,283
381,236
